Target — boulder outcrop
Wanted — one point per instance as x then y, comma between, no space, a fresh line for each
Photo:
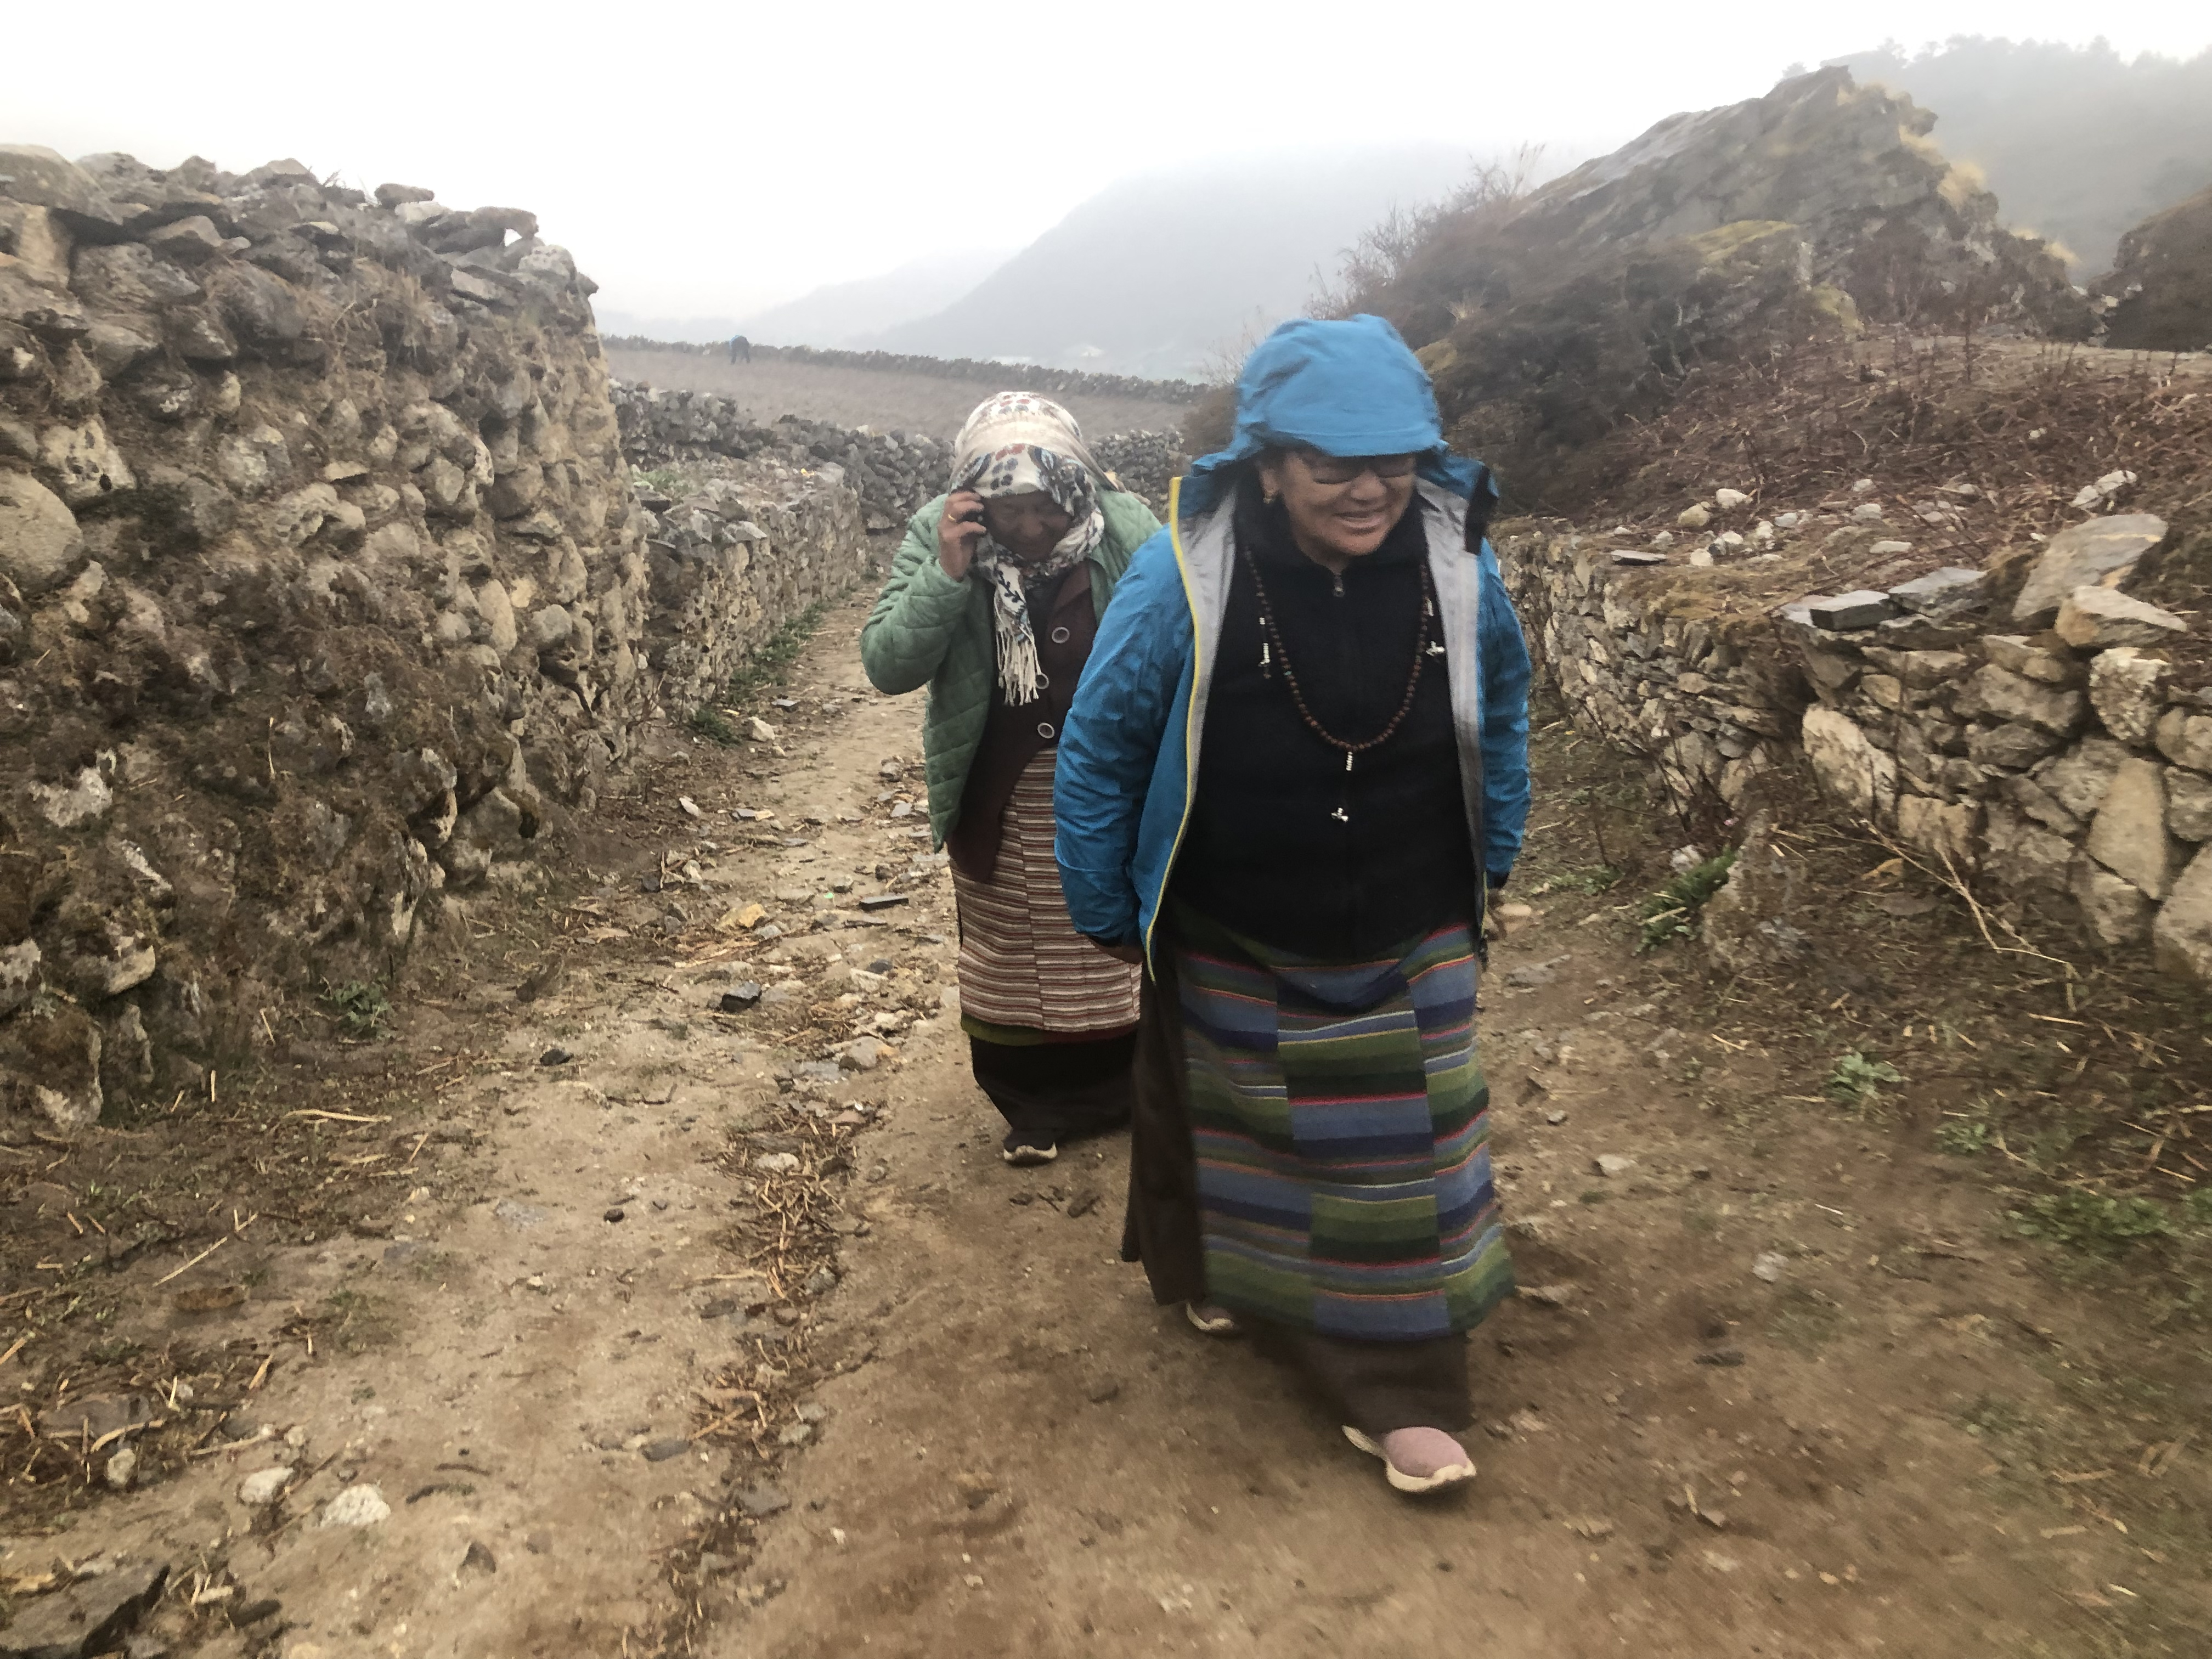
1715,237
2158,294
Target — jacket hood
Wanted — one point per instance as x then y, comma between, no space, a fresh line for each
1345,388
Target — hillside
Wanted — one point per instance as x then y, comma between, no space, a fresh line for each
855,313
1554,319
2160,285
1154,274
2078,143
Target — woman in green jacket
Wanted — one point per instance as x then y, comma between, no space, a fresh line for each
993,602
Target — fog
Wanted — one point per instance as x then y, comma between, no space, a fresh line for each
713,159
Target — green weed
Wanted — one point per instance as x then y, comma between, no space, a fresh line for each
2094,1223
1672,911
1858,1081
776,654
360,1004
1964,1137
709,724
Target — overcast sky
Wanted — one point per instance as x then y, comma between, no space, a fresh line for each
711,159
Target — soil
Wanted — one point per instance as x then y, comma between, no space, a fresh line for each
674,1345
769,388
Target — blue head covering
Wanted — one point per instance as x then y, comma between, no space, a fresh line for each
1351,387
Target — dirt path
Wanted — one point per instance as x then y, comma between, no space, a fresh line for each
678,1343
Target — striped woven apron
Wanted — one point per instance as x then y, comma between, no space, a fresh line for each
1340,1124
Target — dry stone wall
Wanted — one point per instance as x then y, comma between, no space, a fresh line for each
2031,724
324,594
894,472
754,544
1030,377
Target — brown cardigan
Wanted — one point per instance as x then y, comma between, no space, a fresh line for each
1014,733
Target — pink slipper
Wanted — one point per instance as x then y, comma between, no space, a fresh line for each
1418,1460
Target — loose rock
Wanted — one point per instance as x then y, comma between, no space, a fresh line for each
264,1486
362,1505
2101,551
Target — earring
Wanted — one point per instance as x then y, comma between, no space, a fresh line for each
1271,497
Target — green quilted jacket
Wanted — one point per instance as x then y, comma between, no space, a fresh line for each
928,629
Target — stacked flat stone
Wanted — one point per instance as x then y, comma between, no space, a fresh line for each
325,598
893,472
2040,740
733,560
1026,377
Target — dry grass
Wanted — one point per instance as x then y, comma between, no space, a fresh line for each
2026,424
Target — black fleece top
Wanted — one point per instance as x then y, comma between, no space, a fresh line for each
1284,845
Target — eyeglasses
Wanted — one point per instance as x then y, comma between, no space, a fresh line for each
1343,469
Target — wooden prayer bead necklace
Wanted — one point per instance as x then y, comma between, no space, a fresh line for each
1273,648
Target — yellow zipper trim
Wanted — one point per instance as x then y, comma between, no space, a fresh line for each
1190,730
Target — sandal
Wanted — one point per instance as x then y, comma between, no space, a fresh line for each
1429,1466
1211,1320
1026,1147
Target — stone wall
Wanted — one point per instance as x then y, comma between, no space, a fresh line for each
2030,724
894,472
1146,463
1028,377
754,545
322,588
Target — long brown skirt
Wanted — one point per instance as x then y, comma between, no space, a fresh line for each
1375,1387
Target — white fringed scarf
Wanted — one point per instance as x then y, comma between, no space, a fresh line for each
1017,444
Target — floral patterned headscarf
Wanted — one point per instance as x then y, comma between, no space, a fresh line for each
1017,444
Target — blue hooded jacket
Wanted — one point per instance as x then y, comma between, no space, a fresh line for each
1129,753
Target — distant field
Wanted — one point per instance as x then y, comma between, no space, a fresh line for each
860,397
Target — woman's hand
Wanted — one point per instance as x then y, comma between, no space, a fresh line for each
1132,954
959,534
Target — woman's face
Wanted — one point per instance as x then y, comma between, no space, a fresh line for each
1334,515
1028,525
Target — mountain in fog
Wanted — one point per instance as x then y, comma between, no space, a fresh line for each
847,314
843,314
1157,275
2078,143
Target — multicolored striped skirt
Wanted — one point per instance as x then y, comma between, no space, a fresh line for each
1340,1124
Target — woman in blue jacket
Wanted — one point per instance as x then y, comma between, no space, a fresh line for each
1295,768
